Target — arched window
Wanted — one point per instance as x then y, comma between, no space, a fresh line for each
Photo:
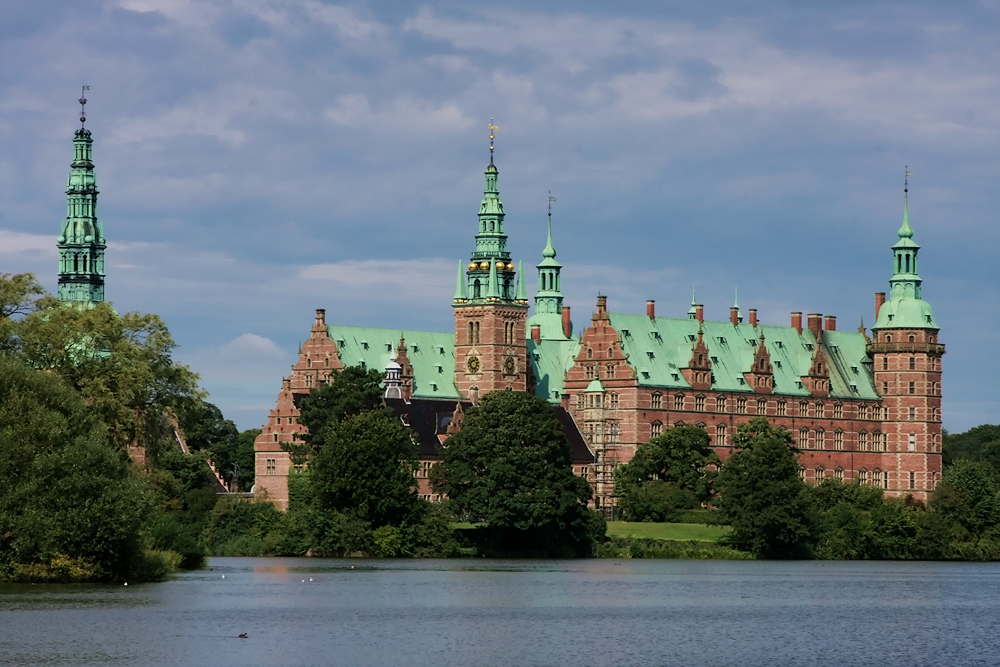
863,441
590,353
820,473
720,404
838,474
720,435
820,409
701,359
656,428
888,338
782,408
803,438
611,353
863,476
820,439
699,403
761,406
476,289
656,400
678,401
838,439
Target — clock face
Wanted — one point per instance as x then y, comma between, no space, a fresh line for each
510,366
473,364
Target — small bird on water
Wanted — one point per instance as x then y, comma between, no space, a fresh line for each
243,636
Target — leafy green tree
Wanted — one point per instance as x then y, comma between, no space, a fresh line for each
967,495
70,507
671,472
120,365
365,468
509,467
351,391
18,294
981,443
761,495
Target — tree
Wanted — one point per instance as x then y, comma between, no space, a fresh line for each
366,468
350,391
70,507
120,365
671,472
509,468
761,495
981,443
17,294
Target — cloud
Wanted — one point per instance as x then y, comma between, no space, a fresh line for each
12,242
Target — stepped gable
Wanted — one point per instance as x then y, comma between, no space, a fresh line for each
271,463
318,358
761,374
699,368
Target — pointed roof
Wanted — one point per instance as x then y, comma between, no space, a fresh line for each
460,286
522,292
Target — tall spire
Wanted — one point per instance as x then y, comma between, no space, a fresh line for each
693,310
81,243
905,307
461,295
549,298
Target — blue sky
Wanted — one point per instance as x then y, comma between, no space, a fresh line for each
258,159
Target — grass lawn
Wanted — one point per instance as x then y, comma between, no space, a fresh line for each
681,532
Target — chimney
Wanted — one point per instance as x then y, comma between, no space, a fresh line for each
564,401
699,312
831,323
536,333
567,324
815,324
879,300
797,321
734,315
602,304
320,317
753,317
651,309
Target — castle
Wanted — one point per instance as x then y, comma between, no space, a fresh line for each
859,407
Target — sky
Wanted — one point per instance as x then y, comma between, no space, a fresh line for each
259,159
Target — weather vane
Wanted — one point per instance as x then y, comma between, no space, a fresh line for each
493,129
551,199
906,178
83,104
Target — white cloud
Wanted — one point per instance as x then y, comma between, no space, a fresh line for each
12,242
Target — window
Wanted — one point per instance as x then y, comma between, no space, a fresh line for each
782,408
297,467
863,441
611,353
804,409
270,466
741,405
590,353
581,401
913,414
913,387
885,388
762,406
910,339
885,363
838,474
678,401
656,428
803,438
934,443
863,476
699,403
838,439
820,473
911,442
913,479
880,479
614,431
820,439
720,404
838,410
820,409
609,370
913,363
613,401
590,371
802,473
879,441
720,435
656,400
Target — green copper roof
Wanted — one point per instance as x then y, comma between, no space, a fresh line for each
522,291
489,282
431,354
549,362
905,309
658,348
549,298
595,385
460,293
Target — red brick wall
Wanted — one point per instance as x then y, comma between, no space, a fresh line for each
498,335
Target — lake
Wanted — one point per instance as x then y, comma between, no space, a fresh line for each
500,612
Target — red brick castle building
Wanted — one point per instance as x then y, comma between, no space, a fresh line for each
859,407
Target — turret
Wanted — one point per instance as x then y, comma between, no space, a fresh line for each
81,242
549,299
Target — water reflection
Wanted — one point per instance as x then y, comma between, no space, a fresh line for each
477,612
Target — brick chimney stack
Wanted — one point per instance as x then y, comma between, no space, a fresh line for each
320,317
831,323
753,317
879,300
536,334
815,323
651,309
566,322
797,321
734,315
699,312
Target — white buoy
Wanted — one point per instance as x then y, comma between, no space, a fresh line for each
223,576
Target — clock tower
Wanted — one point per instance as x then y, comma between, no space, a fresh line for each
491,306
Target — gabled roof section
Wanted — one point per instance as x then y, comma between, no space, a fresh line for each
659,348
431,354
550,360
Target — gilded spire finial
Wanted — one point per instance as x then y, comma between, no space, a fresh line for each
83,105
493,129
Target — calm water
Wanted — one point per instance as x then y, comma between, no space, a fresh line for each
442,613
